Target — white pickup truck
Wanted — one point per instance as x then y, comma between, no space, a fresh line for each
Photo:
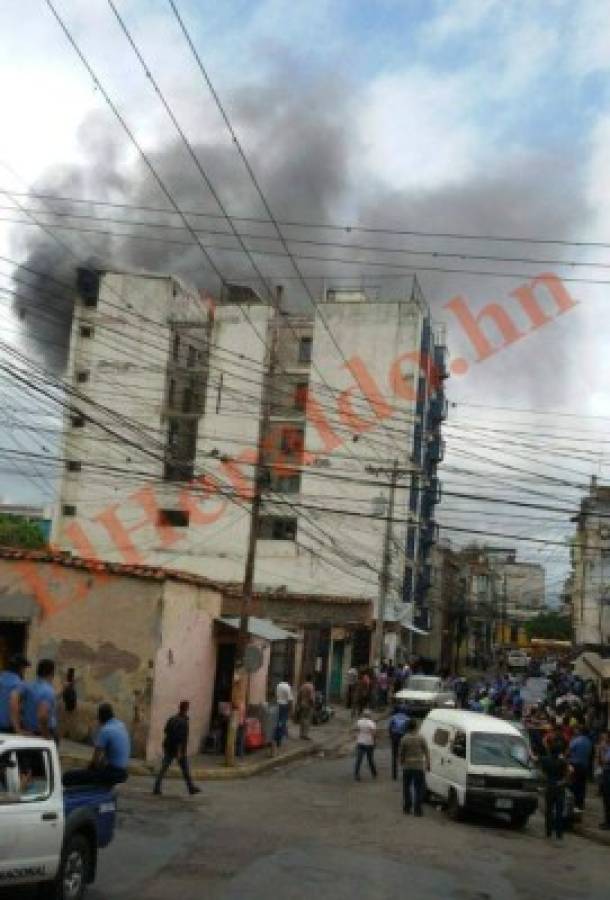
48,836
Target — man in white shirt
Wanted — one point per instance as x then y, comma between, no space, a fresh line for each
366,731
283,695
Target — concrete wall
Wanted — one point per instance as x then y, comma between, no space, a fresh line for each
185,662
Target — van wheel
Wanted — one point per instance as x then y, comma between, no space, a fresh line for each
454,810
518,820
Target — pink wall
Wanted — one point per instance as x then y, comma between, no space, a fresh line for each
185,663
257,692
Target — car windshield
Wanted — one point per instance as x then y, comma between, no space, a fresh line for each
424,684
498,750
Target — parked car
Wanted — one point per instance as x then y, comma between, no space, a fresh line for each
48,836
479,763
518,659
425,692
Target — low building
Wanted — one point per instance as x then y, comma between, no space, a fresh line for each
589,582
141,638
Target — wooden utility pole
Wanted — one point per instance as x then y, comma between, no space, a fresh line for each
240,676
395,472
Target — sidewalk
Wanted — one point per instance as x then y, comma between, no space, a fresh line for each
326,738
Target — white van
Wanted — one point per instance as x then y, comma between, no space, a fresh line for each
479,763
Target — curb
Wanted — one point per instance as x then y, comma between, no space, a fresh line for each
592,834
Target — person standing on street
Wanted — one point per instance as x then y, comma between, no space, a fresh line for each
603,758
175,746
397,729
580,752
555,770
365,743
69,701
307,696
352,681
111,755
12,687
283,695
39,712
415,761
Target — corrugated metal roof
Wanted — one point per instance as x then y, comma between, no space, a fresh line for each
262,628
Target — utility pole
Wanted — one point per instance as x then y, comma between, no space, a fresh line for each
240,677
395,472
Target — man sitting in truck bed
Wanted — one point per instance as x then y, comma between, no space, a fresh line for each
111,757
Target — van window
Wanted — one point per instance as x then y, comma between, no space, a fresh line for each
498,750
441,737
458,745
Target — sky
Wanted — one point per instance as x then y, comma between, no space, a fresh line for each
473,117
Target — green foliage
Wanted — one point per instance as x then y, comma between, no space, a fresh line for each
18,532
550,625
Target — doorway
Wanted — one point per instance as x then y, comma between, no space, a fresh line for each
336,670
13,639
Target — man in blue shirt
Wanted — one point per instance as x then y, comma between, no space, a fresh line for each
11,690
111,756
39,714
398,729
579,757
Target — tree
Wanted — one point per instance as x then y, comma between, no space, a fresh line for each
16,531
550,625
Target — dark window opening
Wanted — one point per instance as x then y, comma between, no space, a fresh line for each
88,286
292,441
86,331
173,518
74,465
278,528
288,484
176,348
180,450
171,392
78,421
187,400
192,357
68,509
300,395
82,376
305,347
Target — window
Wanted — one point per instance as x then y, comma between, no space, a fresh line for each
187,400
68,509
86,331
192,357
277,528
300,395
498,750
173,518
305,345
458,745
88,286
73,465
292,441
82,376
25,776
77,421
288,484
176,348
171,392
441,737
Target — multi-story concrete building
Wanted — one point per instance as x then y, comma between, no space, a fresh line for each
172,397
589,584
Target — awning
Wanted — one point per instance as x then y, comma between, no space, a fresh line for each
261,628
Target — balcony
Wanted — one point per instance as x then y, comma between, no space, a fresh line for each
436,449
437,409
440,361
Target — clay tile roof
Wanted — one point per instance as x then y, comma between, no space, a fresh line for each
156,573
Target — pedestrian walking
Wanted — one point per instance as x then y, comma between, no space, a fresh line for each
39,713
555,770
175,747
397,730
580,752
283,695
69,702
108,765
415,762
365,743
12,687
603,759
306,700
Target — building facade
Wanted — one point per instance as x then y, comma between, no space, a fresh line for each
173,397
589,583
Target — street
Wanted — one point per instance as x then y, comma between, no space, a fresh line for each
310,831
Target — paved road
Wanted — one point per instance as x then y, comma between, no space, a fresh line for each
312,832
